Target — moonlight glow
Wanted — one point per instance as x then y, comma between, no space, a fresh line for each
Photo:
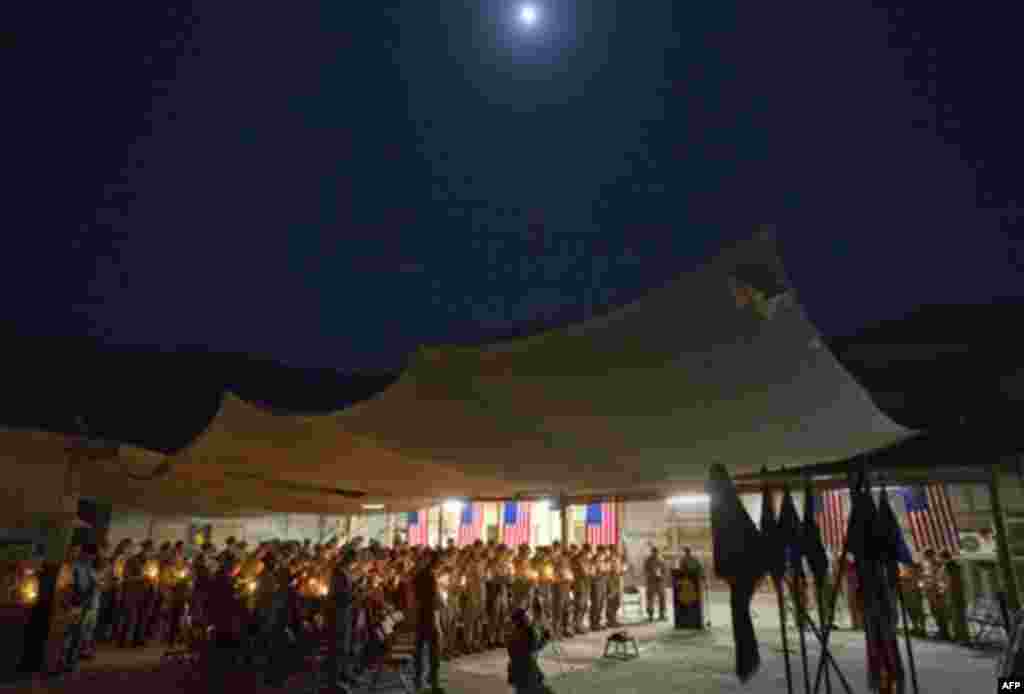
528,15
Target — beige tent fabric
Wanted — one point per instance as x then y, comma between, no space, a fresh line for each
642,399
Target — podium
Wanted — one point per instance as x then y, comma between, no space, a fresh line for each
689,614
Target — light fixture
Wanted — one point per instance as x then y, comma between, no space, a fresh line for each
528,15
689,500
453,506
544,505
373,507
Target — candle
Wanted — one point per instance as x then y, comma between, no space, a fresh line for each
251,585
549,572
151,570
30,590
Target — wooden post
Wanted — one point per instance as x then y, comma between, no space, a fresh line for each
563,505
618,522
1002,543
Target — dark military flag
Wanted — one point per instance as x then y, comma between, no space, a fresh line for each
739,559
791,533
771,541
813,547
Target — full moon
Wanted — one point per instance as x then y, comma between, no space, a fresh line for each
528,14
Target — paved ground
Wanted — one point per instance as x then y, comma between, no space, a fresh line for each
670,661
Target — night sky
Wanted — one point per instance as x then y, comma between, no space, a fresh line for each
334,184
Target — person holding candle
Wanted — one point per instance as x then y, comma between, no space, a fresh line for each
581,587
473,615
339,611
616,571
135,597
522,586
559,591
497,603
599,588
428,603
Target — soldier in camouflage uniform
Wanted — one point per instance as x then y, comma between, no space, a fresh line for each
581,587
956,598
559,592
497,606
615,586
934,580
599,588
656,574
913,599
542,589
473,614
522,587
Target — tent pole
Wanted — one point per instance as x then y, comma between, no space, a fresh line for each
1002,542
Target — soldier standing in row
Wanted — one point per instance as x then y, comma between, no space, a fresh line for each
133,598
497,609
655,572
581,588
473,616
616,571
956,602
522,587
542,588
935,591
559,592
599,588
913,599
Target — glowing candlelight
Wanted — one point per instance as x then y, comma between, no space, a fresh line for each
30,590
151,570
567,575
549,572
251,585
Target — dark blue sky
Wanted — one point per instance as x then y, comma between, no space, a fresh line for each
333,184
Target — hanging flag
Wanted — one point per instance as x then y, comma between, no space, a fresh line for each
738,558
418,528
930,517
774,549
813,547
832,519
471,524
882,617
602,524
790,533
517,524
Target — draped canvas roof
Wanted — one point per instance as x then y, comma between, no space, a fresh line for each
721,365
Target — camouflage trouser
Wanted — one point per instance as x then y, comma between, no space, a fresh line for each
581,601
542,605
940,613
473,620
449,615
598,595
559,600
497,613
656,597
612,605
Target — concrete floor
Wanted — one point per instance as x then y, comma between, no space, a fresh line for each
670,661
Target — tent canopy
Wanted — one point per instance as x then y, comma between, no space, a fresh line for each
721,365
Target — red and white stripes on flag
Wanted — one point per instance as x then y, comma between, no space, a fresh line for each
471,524
930,513
832,518
602,524
517,524
418,527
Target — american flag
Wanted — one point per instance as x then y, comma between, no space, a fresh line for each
418,528
931,518
471,524
831,513
517,524
602,524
